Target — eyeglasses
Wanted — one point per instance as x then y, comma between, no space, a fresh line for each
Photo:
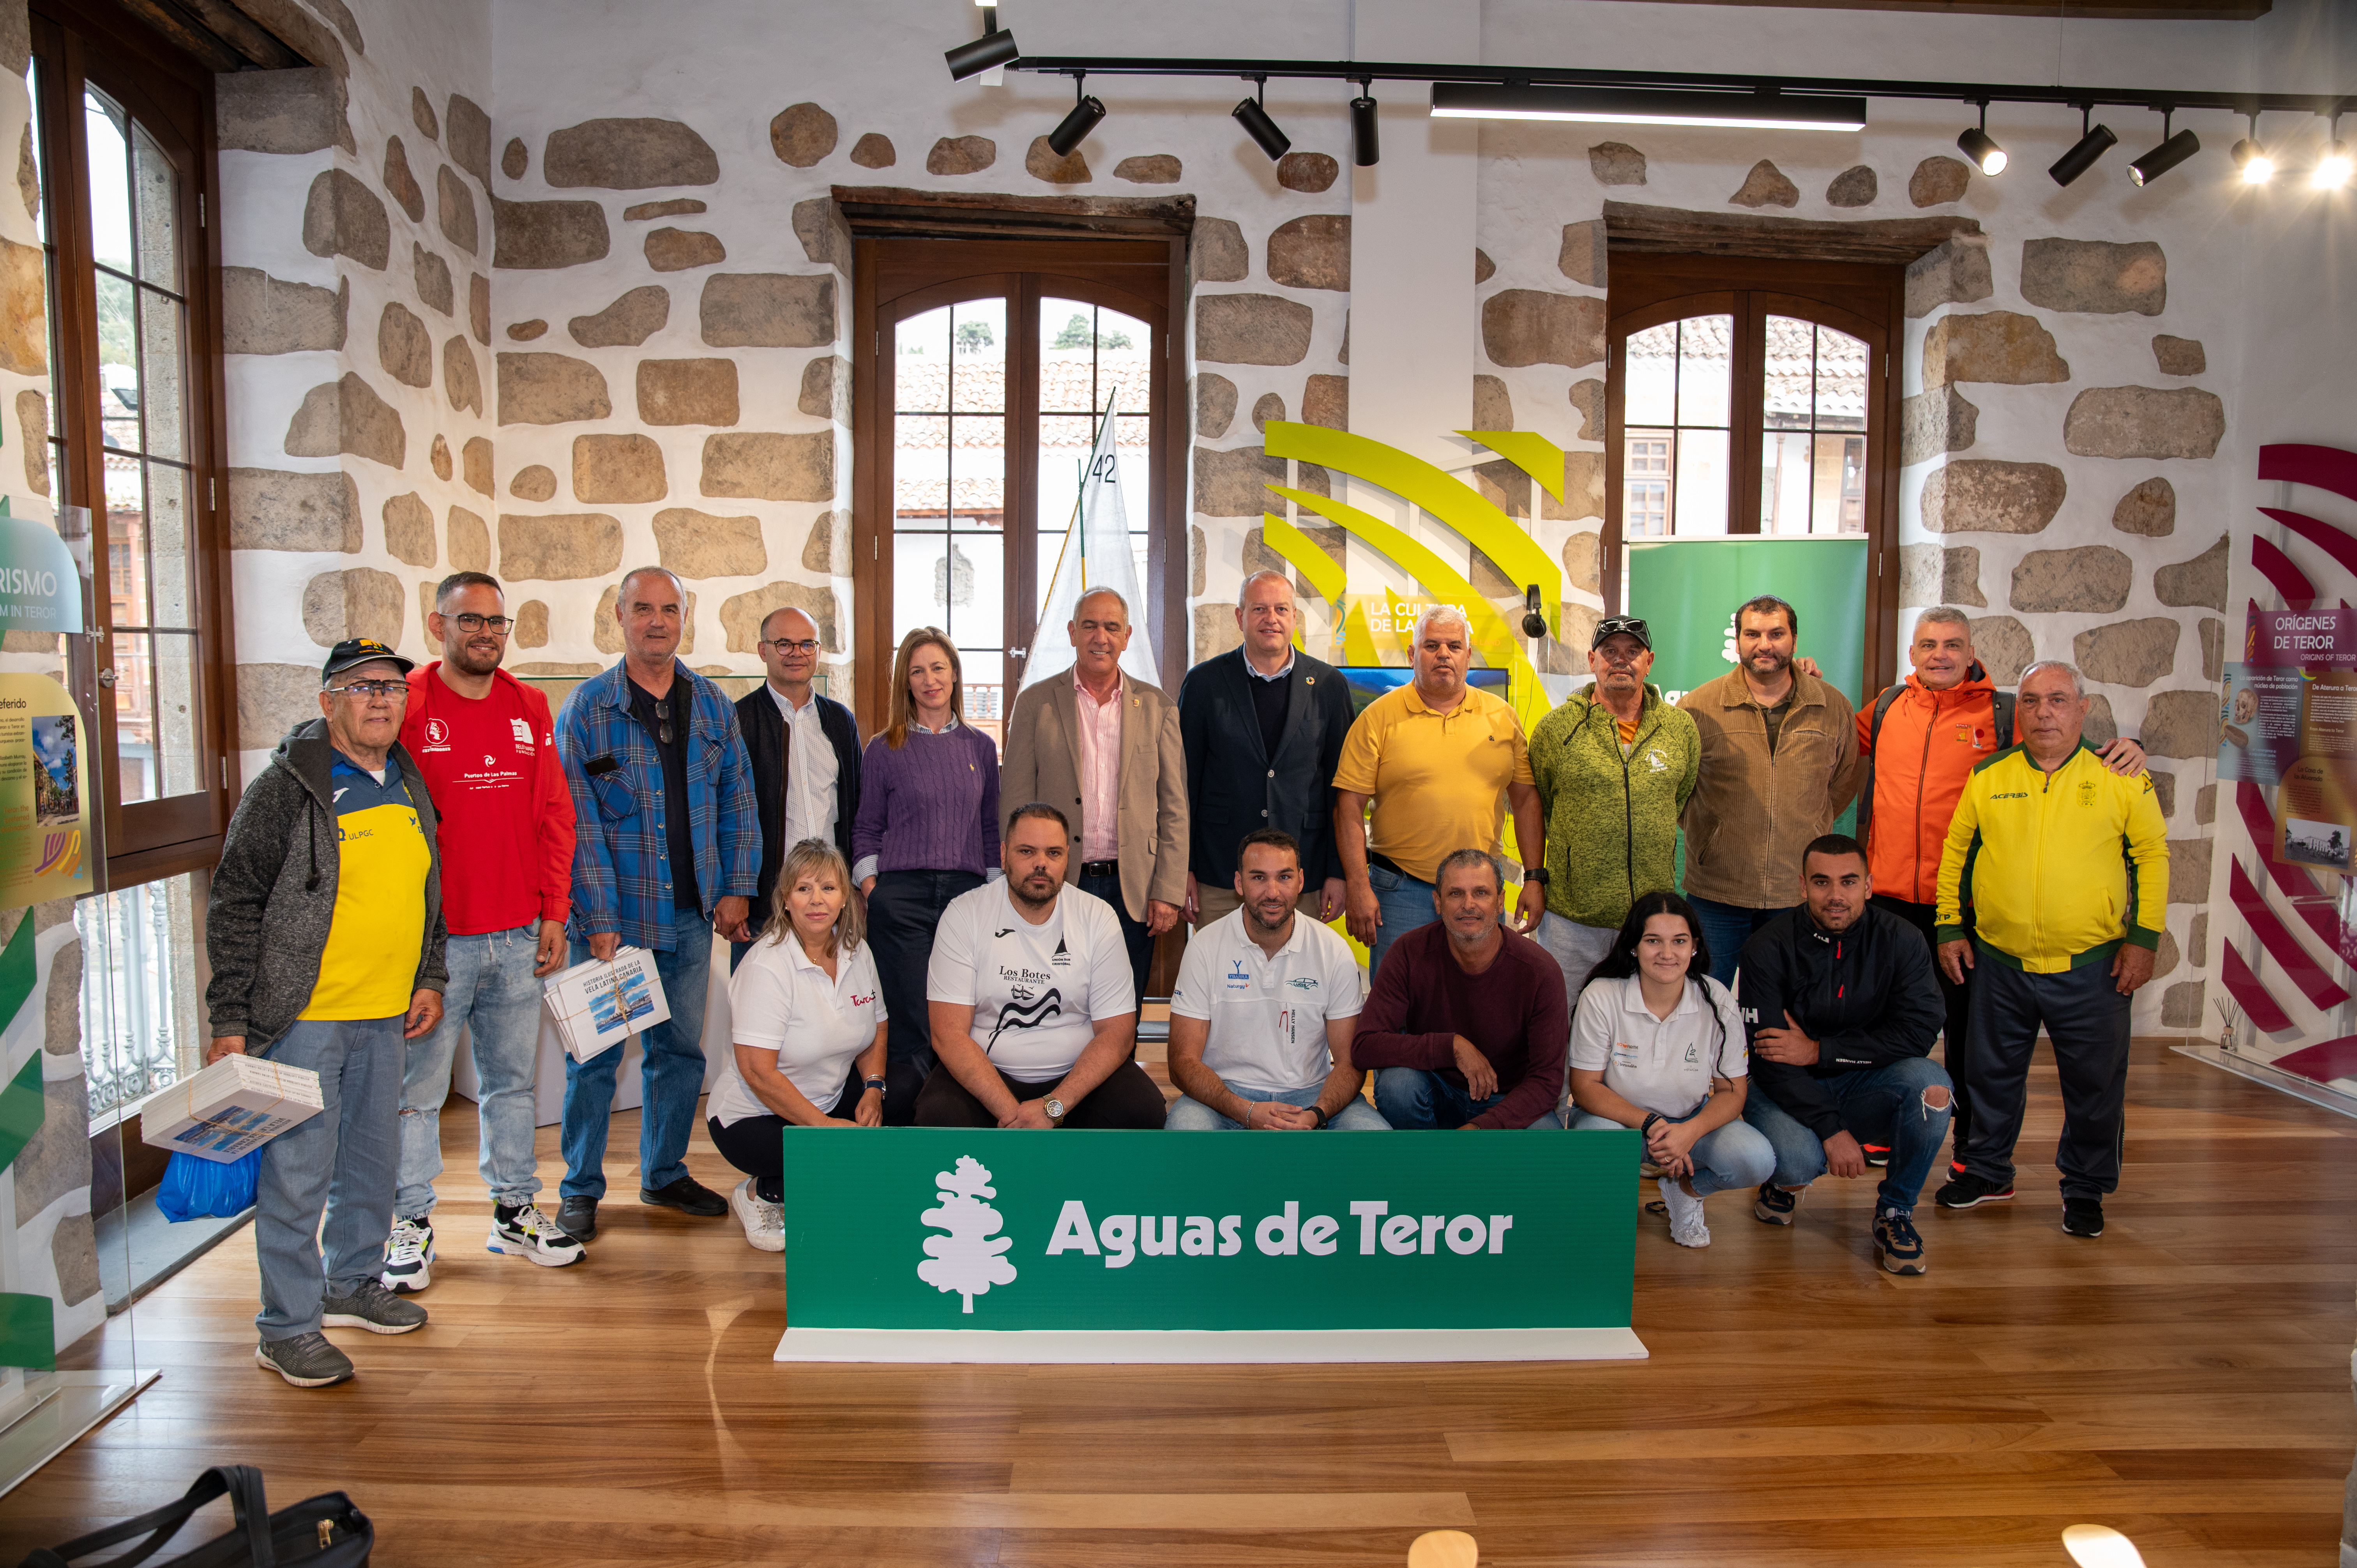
663,721
785,645
369,691
471,622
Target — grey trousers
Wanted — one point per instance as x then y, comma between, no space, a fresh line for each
342,1161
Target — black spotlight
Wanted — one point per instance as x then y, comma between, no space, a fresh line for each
1365,145
970,59
1074,128
2094,142
2173,151
1979,147
1261,128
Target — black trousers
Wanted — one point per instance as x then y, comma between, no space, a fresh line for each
752,1146
2087,1018
901,915
1959,998
1135,941
1125,1100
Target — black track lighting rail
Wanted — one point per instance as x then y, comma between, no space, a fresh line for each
1973,92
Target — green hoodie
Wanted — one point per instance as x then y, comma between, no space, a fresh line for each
1612,821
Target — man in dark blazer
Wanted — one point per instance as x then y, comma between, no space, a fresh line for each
1262,725
805,754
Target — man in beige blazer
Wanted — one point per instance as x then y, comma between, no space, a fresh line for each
1104,749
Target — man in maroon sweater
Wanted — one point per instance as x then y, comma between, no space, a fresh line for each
1468,1025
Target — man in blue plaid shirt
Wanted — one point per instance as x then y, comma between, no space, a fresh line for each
666,850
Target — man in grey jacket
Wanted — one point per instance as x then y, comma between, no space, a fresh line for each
325,932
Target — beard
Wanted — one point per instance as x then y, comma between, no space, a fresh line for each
1020,891
473,661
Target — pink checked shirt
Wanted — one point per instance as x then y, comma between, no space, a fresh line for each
1100,771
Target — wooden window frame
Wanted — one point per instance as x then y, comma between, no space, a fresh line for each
1865,299
173,95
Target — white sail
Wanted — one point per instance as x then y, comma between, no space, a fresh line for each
1096,554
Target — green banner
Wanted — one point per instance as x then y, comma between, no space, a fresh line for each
1687,589
27,1323
933,1229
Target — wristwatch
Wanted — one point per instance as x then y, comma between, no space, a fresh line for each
1539,874
1055,1110
877,1084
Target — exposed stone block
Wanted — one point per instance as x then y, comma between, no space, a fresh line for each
24,314
768,310
697,545
2199,582
1581,257
630,321
1957,272
455,210
1508,489
1525,326
1216,253
1234,483
272,698
2127,653
617,469
478,308
437,457
559,546
2095,276
341,217
546,234
402,184
1938,181
1040,162
874,150
802,134
2164,789
2179,356
432,275
28,176
514,159
819,224
2181,724
1325,399
2149,509
260,314
2144,421
1215,405
1766,186
2189,870
1587,400
2003,646
1583,489
299,110
1939,574
1988,495
346,415
1856,186
961,154
1252,329
761,466
528,331
1216,630
1312,173
531,624
1998,345
2089,578
2181,1006
1312,251
550,389
1493,405
33,439
638,211
1154,168
678,250
1616,163
475,464
55,1158
826,388
1936,422
404,347
409,530
627,154
829,542
1583,562
358,601
1484,269
467,133
2213,632
471,541
1270,406
741,615
689,392
270,508
533,482
2205,813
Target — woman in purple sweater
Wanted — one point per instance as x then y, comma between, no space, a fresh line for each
926,831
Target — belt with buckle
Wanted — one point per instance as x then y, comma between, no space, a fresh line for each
1100,868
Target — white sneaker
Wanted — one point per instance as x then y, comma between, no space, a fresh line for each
765,1223
409,1256
1686,1228
529,1233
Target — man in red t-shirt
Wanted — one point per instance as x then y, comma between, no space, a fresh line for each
485,743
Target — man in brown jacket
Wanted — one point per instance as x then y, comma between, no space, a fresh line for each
1778,763
1105,748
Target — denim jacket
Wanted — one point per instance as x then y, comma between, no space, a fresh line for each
621,880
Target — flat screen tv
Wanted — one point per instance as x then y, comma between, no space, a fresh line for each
1367,681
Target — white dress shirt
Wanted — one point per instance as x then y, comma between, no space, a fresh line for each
811,771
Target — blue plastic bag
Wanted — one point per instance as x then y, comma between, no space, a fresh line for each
193,1188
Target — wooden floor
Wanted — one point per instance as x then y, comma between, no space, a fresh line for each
2185,1379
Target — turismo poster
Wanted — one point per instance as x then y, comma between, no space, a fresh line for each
2289,736
44,793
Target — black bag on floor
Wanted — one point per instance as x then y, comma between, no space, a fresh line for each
325,1531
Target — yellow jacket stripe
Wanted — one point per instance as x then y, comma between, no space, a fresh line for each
2057,870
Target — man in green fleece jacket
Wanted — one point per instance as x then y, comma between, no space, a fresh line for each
1614,766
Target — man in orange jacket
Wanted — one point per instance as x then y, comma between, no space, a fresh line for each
1919,740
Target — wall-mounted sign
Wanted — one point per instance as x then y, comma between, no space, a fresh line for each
41,587
45,850
1687,591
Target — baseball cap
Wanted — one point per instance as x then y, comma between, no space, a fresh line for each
360,651
1632,625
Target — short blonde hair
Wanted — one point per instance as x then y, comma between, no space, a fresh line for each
821,855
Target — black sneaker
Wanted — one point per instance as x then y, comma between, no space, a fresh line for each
577,1217
2083,1217
687,1195
1896,1243
1877,1154
306,1360
1774,1206
1969,1191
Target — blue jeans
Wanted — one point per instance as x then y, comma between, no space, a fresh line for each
1133,932
495,998
1414,1100
1879,1105
1724,929
673,1073
1405,903
1189,1115
340,1161
1729,1157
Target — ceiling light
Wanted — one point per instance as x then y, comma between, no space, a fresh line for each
1986,155
1647,106
2334,169
2093,144
1365,145
2252,158
1074,128
2173,151
984,53
1260,127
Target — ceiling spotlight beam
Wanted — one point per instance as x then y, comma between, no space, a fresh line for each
2333,169
2251,157
1756,109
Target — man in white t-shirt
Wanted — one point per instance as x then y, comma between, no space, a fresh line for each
1266,1004
1033,1009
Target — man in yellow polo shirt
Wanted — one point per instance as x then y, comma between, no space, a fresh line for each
1434,757
2053,884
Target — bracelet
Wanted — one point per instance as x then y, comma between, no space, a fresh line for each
1249,1108
1319,1112
1645,1128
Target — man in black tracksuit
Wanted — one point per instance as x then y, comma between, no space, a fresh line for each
1841,1003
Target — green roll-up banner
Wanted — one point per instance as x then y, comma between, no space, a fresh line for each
1687,589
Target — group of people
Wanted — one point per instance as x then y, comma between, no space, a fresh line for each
921,932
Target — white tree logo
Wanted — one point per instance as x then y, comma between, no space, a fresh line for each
967,1260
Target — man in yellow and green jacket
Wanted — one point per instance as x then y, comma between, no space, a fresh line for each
2064,866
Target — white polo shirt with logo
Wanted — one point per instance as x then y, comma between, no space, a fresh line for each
1267,1014
781,1000
1037,991
1662,1064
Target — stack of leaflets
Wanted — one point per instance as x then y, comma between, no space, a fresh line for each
230,1109
601,1004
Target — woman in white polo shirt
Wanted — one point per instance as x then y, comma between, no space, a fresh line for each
809,1034
1656,1045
